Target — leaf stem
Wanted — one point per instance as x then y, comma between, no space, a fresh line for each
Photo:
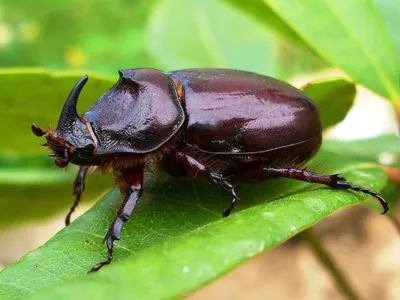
397,110
394,217
342,283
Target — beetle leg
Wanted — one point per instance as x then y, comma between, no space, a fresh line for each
203,170
219,179
335,181
133,177
79,187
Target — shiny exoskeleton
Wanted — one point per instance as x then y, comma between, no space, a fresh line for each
212,123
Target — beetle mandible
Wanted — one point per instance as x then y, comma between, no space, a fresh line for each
216,123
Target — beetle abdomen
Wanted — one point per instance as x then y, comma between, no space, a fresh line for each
237,112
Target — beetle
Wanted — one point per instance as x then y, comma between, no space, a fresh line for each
220,124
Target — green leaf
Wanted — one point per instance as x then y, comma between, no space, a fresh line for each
176,240
383,149
29,185
334,98
37,96
266,16
390,11
358,43
202,37
21,170
293,55
78,39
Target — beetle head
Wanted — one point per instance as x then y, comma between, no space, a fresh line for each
73,139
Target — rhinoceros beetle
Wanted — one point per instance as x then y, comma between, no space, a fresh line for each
219,124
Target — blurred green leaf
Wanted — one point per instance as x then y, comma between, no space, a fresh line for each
358,43
334,98
390,11
37,96
178,241
20,170
203,37
383,149
293,55
266,16
293,61
68,34
33,188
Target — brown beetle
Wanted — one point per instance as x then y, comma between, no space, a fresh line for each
214,123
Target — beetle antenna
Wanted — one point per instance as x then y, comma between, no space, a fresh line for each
69,113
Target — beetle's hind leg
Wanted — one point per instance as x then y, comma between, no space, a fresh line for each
79,187
335,181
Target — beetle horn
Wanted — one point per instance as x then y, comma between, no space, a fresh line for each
69,113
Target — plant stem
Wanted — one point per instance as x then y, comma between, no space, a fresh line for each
395,215
342,283
396,107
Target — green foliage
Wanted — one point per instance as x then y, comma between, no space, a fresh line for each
358,43
334,97
355,51
370,150
390,11
97,35
206,42
38,189
293,55
177,240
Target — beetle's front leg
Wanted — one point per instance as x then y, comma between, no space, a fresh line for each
133,178
79,187
203,170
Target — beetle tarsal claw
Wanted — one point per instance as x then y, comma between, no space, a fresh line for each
343,184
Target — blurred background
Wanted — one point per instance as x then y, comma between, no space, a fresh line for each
102,36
